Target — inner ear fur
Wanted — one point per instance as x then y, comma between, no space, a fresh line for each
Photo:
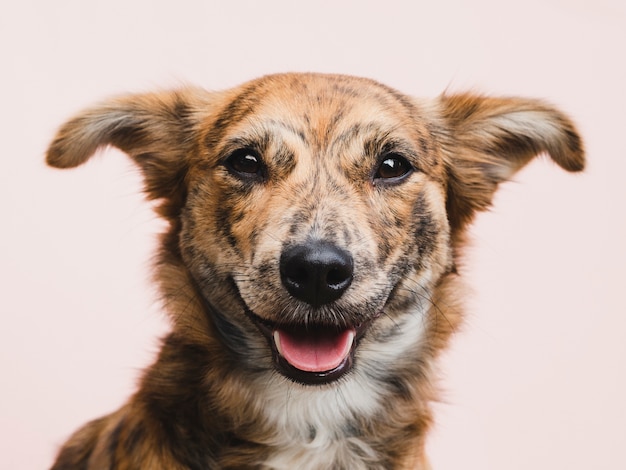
157,130
487,140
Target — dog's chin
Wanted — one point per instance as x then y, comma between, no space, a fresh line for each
311,354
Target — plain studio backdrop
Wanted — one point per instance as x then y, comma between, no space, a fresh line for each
537,377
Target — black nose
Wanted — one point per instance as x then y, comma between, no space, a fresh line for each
316,273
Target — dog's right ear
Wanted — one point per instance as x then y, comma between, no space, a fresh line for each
488,139
155,129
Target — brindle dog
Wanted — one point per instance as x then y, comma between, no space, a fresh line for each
309,265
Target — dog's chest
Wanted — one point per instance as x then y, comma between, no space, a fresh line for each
322,453
318,430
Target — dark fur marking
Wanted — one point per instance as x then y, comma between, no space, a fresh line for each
399,386
283,163
266,268
224,214
114,442
296,223
339,88
135,435
425,230
225,228
240,107
385,247
128,136
230,334
513,145
342,140
181,111
173,398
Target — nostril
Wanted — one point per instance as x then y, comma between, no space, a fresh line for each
316,272
296,274
337,276
333,277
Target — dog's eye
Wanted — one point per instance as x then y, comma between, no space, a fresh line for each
245,162
393,167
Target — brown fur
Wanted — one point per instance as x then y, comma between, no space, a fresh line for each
214,397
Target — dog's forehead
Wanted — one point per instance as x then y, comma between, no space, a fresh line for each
325,100
317,108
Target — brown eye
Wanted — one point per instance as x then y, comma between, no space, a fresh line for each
393,167
245,162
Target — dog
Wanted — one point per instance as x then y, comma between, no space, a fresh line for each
309,267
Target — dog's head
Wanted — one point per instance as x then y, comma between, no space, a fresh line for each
317,218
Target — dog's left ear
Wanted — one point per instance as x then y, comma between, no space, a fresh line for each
487,140
157,130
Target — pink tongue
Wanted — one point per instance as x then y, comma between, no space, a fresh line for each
314,351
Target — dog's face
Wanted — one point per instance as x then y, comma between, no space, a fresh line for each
319,212
319,216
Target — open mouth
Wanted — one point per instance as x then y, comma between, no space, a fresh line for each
312,354
316,351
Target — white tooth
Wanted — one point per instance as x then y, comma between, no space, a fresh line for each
352,335
277,342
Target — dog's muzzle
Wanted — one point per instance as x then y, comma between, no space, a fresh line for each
316,273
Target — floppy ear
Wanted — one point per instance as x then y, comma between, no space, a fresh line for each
155,129
487,140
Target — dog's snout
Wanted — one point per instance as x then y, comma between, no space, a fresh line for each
316,273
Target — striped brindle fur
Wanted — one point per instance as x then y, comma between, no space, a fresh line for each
309,265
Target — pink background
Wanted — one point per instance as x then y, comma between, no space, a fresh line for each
537,379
